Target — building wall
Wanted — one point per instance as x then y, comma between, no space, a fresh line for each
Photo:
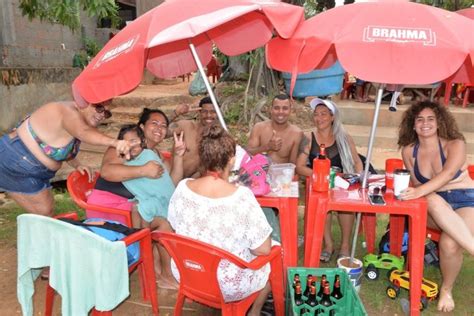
25,43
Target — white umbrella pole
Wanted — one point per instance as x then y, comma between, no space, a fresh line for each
365,176
208,86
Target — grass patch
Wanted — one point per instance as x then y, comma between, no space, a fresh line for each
9,212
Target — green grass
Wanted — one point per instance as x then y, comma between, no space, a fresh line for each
373,295
9,212
372,292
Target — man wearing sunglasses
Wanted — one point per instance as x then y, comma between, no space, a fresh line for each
33,152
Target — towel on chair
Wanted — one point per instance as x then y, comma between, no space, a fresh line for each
153,195
85,269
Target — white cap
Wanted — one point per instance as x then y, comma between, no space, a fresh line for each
317,101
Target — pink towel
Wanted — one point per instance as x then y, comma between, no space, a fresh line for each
107,199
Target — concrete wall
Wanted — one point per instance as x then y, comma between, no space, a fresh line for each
24,90
25,43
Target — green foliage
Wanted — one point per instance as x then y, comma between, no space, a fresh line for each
451,5
91,48
313,7
67,12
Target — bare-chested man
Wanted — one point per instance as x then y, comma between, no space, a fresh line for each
192,134
277,138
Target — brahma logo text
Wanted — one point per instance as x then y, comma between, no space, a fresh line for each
117,50
424,36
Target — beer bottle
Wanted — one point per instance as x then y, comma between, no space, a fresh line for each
296,279
298,297
321,286
311,301
309,281
326,299
336,291
321,168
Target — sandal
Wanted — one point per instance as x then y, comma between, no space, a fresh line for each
326,256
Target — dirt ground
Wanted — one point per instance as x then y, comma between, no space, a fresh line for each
134,305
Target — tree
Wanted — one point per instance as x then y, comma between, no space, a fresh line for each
67,12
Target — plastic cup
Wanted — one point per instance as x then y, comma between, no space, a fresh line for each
391,165
401,180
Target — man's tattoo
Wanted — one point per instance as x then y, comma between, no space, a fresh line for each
303,143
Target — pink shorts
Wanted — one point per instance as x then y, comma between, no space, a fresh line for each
109,200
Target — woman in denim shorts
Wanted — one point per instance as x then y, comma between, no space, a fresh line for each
34,151
434,151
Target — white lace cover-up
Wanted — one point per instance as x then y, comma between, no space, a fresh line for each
235,223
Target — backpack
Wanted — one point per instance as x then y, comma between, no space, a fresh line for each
253,173
384,244
110,230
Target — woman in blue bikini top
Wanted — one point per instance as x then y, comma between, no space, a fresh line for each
434,151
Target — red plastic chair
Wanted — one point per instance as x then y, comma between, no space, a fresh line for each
79,188
145,262
197,263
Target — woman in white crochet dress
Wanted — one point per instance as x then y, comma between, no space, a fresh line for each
212,210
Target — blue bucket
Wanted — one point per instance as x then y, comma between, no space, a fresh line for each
354,272
317,82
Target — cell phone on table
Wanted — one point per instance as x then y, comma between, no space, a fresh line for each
376,199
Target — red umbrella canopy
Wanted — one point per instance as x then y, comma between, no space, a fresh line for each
159,40
387,41
468,12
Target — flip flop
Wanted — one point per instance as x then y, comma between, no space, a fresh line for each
326,256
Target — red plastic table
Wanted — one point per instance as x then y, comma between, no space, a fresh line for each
355,200
288,214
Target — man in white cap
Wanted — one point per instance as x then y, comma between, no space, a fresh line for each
277,138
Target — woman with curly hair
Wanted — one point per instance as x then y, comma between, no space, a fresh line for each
434,151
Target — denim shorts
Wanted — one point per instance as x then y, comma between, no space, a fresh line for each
20,171
458,198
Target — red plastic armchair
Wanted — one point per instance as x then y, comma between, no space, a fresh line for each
197,263
145,262
79,188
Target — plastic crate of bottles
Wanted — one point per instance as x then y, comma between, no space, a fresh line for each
327,303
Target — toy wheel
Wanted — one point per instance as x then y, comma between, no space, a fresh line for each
392,291
372,273
390,272
423,303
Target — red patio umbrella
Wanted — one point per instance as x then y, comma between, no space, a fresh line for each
177,37
391,42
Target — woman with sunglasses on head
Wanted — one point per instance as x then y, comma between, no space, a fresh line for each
33,152
341,150
434,151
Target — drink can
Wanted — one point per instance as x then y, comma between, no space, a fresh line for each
332,176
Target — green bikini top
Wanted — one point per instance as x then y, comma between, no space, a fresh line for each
67,152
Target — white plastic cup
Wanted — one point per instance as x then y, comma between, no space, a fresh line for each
401,180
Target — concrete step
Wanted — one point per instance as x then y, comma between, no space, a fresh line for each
362,114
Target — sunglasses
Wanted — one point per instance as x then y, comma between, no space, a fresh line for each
377,190
101,109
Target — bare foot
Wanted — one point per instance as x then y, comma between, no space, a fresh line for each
167,283
446,302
